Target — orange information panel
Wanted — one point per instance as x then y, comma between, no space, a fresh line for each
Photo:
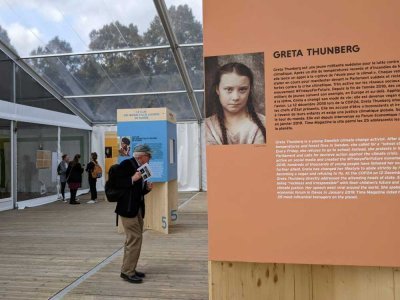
110,150
303,131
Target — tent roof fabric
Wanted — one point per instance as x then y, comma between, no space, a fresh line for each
109,64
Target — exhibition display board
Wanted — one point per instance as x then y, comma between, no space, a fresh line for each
311,175
156,128
110,150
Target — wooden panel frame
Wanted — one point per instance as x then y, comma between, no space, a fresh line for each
241,280
161,207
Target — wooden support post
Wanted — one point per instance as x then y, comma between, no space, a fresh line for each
240,280
161,207
172,202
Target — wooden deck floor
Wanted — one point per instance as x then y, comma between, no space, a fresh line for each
45,249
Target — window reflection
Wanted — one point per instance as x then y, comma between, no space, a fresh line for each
6,81
5,159
36,161
76,141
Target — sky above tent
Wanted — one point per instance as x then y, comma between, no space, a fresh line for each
33,23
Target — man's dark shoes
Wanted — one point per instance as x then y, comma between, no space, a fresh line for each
132,278
140,274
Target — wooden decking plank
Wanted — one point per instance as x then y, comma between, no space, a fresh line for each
175,264
45,249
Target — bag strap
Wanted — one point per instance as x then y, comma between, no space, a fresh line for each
70,171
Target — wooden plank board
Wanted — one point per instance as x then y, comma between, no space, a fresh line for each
157,208
172,202
175,264
44,249
236,280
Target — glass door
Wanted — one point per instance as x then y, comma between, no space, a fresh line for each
6,201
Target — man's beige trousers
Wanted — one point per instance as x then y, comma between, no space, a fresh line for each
134,235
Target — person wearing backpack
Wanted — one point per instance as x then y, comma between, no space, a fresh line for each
62,171
131,209
94,171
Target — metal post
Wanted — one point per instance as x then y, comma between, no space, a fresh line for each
58,160
14,148
200,158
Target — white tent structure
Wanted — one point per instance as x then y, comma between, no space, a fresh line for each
68,67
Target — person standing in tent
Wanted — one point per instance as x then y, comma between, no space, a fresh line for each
131,210
74,178
62,171
94,171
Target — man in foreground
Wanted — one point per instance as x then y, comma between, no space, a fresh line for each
131,209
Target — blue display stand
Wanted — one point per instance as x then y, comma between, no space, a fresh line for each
155,127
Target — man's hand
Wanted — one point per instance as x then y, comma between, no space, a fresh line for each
149,186
136,177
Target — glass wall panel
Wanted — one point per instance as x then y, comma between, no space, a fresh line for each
76,141
200,102
38,27
3,56
5,159
186,20
112,73
31,93
193,57
36,160
6,78
105,109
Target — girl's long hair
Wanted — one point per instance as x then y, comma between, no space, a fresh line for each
241,70
75,161
94,157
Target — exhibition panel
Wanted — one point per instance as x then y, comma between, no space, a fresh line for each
317,178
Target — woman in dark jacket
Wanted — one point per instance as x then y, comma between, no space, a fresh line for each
74,177
92,181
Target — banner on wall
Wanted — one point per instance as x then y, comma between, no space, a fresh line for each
155,127
302,132
110,150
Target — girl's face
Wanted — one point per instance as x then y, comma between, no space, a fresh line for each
233,91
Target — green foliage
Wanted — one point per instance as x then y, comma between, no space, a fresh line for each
132,71
56,69
5,39
115,36
4,36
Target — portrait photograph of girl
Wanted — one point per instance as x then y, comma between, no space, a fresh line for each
235,99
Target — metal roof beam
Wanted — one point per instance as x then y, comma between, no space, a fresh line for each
130,94
163,14
47,86
108,51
